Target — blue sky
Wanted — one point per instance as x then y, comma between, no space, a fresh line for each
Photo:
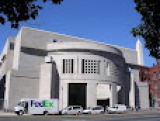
108,21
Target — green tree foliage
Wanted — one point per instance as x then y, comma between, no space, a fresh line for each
15,11
149,28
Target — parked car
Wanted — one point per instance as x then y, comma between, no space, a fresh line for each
72,110
94,110
118,108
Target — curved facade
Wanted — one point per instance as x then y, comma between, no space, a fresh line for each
74,70
92,67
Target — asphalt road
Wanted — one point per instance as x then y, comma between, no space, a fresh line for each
135,117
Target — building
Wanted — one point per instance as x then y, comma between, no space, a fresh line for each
41,64
151,75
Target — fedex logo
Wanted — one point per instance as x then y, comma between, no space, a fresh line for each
44,103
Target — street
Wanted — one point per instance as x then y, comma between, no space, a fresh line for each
121,117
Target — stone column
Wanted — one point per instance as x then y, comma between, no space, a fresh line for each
91,94
132,92
114,96
45,81
63,95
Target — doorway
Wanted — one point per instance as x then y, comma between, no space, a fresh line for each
77,94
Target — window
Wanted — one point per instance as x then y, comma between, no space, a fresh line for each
112,69
90,66
67,65
75,108
155,85
54,40
154,75
108,68
156,95
11,45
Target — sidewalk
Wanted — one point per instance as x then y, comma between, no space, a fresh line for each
6,114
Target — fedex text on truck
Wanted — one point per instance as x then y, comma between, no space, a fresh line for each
44,103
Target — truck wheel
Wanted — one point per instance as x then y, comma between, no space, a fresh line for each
46,113
20,113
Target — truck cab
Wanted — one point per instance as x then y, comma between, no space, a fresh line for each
21,108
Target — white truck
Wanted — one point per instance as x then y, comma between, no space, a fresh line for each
37,106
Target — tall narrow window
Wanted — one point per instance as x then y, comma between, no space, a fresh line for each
108,68
11,45
155,85
68,65
154,75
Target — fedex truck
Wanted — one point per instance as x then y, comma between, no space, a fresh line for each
37,106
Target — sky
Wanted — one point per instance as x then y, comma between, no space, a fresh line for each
108,21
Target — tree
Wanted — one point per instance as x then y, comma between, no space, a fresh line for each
15,11
149,28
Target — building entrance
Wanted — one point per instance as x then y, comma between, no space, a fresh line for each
77,94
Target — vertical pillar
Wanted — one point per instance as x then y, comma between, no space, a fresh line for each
65,92
123,94
114,96
132,92
91,94
7,91
45,81
63,95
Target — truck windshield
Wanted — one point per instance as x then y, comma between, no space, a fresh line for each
21,104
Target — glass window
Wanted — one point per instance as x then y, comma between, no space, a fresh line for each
12,45
108,68
75,108
67,65
155,85
90,66
154,75
70,108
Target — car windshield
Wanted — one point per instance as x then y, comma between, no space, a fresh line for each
89,108
66,108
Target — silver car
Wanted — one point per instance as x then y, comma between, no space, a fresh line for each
72,110
95,110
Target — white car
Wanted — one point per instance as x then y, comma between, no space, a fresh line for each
94,110
118,108
72,110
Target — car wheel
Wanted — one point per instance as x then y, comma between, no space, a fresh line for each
102,112
79,113
65,113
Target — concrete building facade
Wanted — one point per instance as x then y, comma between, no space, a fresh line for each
41,64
